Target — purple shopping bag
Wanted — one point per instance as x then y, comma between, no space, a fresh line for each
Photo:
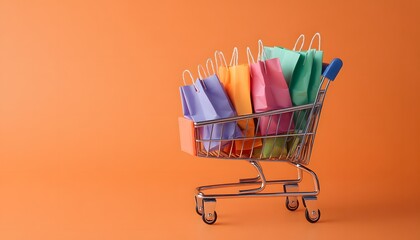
207,100
269,91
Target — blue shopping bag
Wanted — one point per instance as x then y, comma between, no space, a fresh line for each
207,100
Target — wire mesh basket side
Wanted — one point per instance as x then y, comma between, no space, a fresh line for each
278,135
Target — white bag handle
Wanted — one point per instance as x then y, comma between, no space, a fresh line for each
319,41
261,52
301,36
199,72
209,60
219,55
192,79
234,59
249,54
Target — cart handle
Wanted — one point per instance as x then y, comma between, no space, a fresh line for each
332,70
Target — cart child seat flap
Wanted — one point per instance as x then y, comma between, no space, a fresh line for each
187,135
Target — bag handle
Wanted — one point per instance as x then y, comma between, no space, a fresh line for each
199,72
209,60
221,56
261,52
249,55
301,36
192,79
319,41
234,59
201,77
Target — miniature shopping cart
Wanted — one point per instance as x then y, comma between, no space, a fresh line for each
295,146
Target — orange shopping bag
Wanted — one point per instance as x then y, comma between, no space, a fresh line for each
236,80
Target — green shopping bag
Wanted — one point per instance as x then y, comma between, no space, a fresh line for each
272,148
315,79
300,79
299,93
313,69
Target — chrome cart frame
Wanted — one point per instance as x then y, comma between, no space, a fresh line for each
298,141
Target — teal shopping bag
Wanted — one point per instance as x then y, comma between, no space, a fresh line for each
315,79
312,67
296,67
299,93
301,77
288,58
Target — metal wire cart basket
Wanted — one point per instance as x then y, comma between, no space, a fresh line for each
293,146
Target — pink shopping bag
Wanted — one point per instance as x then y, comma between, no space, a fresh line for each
269,91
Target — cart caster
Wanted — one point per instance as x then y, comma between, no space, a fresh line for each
313,216
312,212
210,218
198,205
209,214
292,204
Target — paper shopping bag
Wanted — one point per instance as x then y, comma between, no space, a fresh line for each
236,80
207,100
301,76
269,91
288,58
306,81
315,79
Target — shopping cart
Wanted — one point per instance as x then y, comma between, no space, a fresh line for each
298,141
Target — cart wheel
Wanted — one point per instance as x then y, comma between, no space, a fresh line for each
198,209
212,220
292,205
313,217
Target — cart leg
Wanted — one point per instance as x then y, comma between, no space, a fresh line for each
258,167
209,213
312,212
292,202
299,174
261,176
312,173
199,205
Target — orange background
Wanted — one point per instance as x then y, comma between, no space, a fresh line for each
89,100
